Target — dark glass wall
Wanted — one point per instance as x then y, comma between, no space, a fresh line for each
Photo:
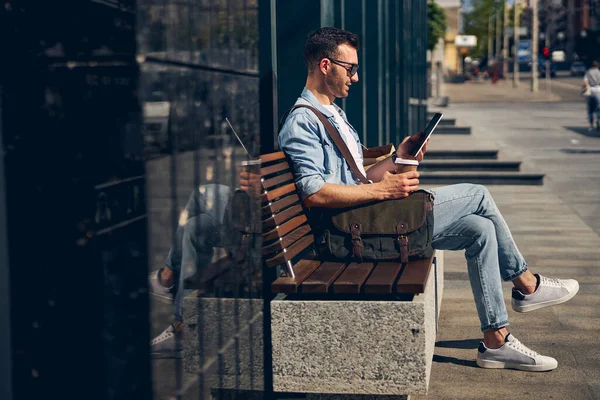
75,213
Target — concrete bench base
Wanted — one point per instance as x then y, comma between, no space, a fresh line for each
356,347
354,397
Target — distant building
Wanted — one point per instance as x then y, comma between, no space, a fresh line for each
453,11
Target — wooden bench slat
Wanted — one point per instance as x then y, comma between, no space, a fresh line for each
291,251
272,169
323,277
276,180
287,240
353,277
272,208
303,269
266,158
284,229
383,277
279,192
281,217
414,276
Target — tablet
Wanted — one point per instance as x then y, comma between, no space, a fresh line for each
426,134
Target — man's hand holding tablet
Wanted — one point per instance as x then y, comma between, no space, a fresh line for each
415,146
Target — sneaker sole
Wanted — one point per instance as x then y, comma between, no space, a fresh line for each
167,355
522,367
537,306
162,298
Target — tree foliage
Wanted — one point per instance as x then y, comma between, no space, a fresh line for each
475,22
436,24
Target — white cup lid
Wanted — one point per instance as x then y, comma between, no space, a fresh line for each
406,161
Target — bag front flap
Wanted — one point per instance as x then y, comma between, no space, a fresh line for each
388,217
375,152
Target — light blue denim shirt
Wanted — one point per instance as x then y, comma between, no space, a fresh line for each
314,157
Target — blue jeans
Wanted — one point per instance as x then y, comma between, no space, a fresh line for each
200,229
466,217
593,107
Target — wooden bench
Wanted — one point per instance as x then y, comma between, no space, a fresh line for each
288,242
342,328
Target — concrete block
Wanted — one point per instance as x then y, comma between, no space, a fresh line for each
438,265
354,397
356,347
223,341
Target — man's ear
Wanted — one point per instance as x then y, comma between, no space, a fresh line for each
324,66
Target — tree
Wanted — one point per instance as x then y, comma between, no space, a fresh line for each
475,22
436,24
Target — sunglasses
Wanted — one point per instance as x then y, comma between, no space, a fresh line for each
352,69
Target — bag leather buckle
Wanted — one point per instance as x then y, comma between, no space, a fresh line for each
357,243
403,242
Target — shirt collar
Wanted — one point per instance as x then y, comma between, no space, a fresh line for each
310,97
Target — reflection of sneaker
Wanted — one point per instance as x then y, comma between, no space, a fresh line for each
548,293
157,289
514,354
167,344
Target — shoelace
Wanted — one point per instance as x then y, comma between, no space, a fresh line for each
551,282
163,336
521,348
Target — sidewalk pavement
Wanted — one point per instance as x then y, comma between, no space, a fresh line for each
557,228
500,92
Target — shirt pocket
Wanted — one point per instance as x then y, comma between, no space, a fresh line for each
333,162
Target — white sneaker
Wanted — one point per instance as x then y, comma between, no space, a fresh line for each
166,345
156,288
548,293
514,354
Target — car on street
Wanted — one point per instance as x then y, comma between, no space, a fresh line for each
577,68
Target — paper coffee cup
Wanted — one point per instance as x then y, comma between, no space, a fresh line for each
250,165
403,165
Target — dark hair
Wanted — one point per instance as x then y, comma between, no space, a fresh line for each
595,64
323,43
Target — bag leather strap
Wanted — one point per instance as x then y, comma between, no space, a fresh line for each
335,137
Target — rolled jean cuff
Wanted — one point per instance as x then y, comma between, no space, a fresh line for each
515,274
168,266
497,325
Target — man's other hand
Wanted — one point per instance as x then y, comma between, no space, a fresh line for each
408,144
399,186
250,182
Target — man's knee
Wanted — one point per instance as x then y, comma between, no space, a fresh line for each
483,230
479,189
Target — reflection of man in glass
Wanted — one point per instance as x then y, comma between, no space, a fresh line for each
200,229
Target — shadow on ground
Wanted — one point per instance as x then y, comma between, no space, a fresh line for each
465,344
458,344
595,133
454,360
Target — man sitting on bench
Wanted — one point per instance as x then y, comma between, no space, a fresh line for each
465,215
